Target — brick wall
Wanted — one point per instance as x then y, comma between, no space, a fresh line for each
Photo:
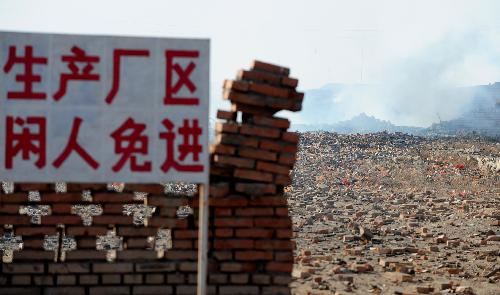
100,239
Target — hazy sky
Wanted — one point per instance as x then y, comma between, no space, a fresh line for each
321,41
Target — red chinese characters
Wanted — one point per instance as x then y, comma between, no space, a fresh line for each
79,56
190,145
28,78
31,140
129,141
32,73
117,54
73,145
183,75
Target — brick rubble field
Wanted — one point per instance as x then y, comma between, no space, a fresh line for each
396,214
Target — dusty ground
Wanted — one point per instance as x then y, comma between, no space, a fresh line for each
396,214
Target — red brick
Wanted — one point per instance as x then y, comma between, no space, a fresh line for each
258,154
34,186
253,255
234,161
255,189
69,268
292,137
259,77
240,278
233,222
224,232
115,267
61,197
274,244
113,219
25,268
284,233
259,105
151,290
113,198
236,139
111,290
181,255
281,211
137,255
163,201
9,209
35,231
33,244
168,222
228,202
78,187
38,254
61,219
153,267
269,201
14,198
274,168
225,115
237,85
252,109
283,179
138,243
254,233
273,222
227,244
61,208
157,189
222,149
290,82
113,208
129,231
297,95
267,67
223,212
86,255
67,280
275,122
287,159
259,211
279,267
86,230
15,219
269,90
253,175
254,130
21,280
226,127
186,234
283,256
237,267
278,146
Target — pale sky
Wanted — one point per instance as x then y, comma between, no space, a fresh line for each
321,41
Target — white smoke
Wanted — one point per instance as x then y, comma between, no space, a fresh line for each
424,88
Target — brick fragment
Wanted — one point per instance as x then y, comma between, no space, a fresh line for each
279,266
258,154
255,189
273,168
254,130
225,115
226,127
271,68
253,255
253,175
234,161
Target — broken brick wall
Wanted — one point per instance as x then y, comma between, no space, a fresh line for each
138,239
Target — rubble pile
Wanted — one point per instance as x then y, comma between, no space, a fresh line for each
395,214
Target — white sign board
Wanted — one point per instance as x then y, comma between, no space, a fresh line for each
82,108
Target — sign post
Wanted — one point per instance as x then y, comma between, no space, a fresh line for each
82,108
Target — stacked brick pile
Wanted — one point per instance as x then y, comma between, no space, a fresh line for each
90,239
252,158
